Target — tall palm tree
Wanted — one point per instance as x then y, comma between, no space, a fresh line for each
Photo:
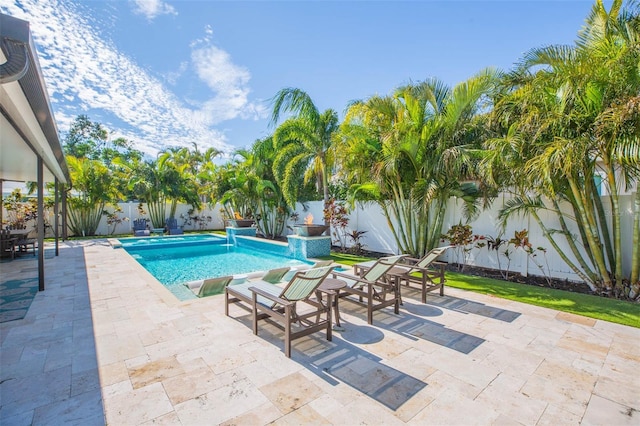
410,152
188,165
303,142
94,186
569,112
272,209
234,186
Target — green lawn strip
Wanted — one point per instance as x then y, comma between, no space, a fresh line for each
611,310
346,258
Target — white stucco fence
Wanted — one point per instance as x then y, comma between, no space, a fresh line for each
378,236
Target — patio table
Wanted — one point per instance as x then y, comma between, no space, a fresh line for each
19,232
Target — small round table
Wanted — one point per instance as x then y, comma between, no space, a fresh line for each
333,284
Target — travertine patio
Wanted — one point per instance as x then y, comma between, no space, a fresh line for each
106,343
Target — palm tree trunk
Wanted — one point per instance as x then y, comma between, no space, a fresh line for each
325,189
437,229
387,215
591,277
604,228
615,213
174,207
591,234
561,253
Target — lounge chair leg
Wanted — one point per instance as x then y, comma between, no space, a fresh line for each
398,282
329,324
397,300
287,331
255,314
370,304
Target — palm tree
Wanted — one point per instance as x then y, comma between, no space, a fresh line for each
272,210
234,186
567,114
94,186
193,168
410,151
303,142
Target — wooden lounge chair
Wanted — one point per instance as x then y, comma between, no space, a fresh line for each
283,304
426,272
210,286
172,227
375,288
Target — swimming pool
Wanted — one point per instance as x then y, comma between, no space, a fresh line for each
176,260
173,241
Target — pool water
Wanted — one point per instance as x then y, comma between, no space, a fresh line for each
173,241
175,262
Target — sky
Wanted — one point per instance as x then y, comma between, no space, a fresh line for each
174,73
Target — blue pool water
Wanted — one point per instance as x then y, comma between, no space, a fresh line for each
173,241
176,260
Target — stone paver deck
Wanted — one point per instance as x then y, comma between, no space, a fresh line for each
106,343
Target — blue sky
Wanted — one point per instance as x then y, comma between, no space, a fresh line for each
170,73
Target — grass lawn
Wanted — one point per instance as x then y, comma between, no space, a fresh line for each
347,259
611,310
597,307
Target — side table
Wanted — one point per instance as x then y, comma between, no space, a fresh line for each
334,285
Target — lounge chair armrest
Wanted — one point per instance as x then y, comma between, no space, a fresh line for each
269,296
351,277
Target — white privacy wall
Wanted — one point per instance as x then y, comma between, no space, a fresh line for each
378,237
369,217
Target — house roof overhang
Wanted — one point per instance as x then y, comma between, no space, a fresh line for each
27,127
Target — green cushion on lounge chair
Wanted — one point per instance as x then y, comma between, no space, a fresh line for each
210,286
274,276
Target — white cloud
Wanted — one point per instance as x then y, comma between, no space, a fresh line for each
152,8
229,81
85,73
173,76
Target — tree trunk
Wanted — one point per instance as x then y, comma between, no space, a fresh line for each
591,233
